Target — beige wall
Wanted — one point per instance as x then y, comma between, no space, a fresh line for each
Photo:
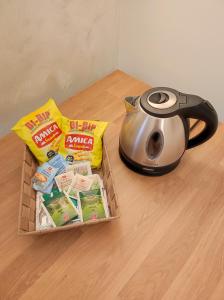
52,48
175,43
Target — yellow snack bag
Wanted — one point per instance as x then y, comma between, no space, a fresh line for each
82,140
41,130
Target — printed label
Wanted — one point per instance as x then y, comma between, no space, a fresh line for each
38,120
79,142
46,135
83,126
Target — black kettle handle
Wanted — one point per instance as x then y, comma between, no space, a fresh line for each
198,108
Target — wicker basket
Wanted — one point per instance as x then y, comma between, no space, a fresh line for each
27,211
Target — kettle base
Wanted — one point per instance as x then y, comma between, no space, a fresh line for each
144,170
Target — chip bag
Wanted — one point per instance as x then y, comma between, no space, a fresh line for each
41,130
82,140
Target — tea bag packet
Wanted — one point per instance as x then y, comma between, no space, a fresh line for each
59,207
76,203
92,205
105,202
97,182
64,180
82,168
72,192
81,183
59,163
42,220
43,178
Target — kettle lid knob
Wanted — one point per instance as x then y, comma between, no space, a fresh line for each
160,100
158,97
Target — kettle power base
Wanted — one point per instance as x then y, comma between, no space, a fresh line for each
144,170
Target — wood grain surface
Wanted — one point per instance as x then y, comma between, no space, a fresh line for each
168,243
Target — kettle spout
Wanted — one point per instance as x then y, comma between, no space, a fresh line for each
130,103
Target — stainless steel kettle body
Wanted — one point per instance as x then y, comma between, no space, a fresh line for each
155,130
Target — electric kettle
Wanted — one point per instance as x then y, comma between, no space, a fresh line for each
155,130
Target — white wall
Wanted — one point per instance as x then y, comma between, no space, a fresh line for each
52,48
175,43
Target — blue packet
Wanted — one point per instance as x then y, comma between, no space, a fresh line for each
58,162
48,189
43,178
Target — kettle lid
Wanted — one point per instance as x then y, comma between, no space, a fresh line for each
160,99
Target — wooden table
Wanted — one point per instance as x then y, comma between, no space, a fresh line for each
168,243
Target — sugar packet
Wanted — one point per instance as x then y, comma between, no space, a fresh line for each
64,180
43,178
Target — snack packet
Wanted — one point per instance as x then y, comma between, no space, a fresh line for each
41,130
82,140
43,178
